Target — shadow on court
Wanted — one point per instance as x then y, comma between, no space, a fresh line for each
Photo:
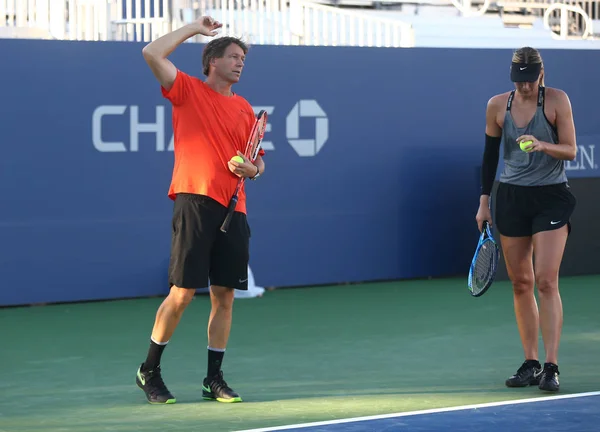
295,355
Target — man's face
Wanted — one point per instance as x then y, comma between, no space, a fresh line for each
229,67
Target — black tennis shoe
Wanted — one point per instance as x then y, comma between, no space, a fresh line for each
528,374
215,388
152,384
549,378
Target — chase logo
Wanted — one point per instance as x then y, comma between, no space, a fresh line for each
307,146
118,128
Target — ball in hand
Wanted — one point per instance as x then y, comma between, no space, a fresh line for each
238,159
525,144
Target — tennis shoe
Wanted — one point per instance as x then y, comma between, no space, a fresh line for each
215,388
549,378
152,384
528,374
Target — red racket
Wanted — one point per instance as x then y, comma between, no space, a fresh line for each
251,153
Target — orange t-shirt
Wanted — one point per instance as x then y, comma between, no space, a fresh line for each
208,129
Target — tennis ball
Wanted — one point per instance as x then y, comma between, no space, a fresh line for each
237,159
524,145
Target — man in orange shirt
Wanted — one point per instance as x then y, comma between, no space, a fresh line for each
211,124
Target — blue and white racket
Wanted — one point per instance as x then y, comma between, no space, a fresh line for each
485,262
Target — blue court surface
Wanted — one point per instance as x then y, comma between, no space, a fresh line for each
573,413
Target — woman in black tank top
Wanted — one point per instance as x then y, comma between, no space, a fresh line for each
533,206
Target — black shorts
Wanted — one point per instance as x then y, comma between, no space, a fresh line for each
201,254
522,211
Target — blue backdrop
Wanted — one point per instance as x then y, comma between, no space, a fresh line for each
372,163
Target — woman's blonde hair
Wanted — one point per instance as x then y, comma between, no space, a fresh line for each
528,55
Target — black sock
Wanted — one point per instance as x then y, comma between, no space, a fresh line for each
534,363
215,358
154,353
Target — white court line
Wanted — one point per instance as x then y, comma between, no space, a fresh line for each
429,411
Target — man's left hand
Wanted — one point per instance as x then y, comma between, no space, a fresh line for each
242,169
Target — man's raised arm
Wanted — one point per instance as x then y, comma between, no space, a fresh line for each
156,52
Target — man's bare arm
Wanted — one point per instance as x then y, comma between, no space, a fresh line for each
157,51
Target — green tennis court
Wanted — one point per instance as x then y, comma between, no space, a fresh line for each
295,355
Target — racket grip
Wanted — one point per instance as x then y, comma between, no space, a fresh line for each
229,216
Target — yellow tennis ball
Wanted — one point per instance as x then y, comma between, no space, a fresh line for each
524,145
237,159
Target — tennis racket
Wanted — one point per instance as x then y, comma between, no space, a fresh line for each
485,262
251,152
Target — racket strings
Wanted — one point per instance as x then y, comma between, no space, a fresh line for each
252,142
485,264
252,150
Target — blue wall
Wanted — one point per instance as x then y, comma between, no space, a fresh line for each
400,163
